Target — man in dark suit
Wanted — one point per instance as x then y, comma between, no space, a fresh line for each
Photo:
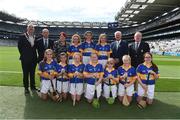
43,43
28,57
119,49
137,50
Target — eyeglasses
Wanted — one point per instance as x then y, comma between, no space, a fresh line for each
147,57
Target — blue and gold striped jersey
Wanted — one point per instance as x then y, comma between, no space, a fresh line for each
87,48
90,68
103,51
142,72
112,72
72,69
72,49
49,68
131,73
61,68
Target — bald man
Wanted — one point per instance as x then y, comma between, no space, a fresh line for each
137,49
28,57
43,43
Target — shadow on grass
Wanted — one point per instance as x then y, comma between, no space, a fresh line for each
36,108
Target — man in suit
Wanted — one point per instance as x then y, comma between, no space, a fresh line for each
119,49
28,57
137,50
43,43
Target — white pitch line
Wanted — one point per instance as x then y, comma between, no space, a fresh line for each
14,72
18,72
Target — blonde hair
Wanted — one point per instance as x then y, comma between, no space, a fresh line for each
76,35
126,57
101,36
110,60
45,53
79,54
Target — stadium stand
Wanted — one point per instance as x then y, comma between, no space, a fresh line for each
158,20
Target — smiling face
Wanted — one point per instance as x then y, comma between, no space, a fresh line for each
30,29
138,37
94,58
63,58
77,58
118,36
88,37
126,60
147,58
48,55
45,33
76,40
103,39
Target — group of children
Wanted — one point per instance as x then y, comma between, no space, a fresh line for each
93,79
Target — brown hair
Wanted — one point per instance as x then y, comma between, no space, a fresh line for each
154,66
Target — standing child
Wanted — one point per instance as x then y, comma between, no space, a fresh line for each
47,72
75,73
145,83
62,83
110,81
87,47
127,78
103,49
93,74
74,47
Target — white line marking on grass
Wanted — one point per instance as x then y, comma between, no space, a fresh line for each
15,72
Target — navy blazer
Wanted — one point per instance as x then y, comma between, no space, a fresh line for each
41,48
120,52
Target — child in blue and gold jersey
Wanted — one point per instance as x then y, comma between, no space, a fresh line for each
93,74
110,80
62,83
76,76
147,74
87,47
47,72
103,49
74,47
127,78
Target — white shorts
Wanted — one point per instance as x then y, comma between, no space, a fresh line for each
106,91
90,91
86,59
129,90
150,91
103,63
46,85
62,86
70,61
76,90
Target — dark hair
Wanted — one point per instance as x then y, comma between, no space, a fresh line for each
60,55
154,66
63,33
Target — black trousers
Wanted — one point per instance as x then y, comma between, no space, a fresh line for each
28,72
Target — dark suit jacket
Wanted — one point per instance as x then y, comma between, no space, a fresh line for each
120,52
27,53
41,48
137,57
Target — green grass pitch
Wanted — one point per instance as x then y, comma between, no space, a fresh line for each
13,103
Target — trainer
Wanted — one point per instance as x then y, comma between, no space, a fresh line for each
119,49
28,57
